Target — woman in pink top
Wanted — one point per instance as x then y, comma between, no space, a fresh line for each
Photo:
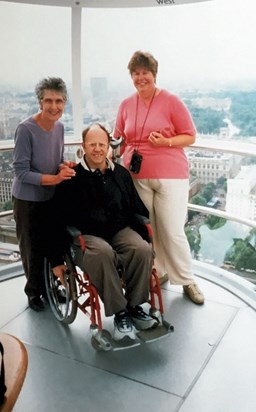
156,125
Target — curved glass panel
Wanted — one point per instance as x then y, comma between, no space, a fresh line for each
42,50
221,101
224,243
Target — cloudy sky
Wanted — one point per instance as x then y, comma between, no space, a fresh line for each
200,44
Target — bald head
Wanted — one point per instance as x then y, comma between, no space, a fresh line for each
96,145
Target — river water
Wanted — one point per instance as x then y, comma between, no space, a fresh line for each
215,243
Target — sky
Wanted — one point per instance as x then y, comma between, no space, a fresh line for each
206,44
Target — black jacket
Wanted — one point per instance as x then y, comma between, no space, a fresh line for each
83,202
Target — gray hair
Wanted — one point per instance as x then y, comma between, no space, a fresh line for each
51,83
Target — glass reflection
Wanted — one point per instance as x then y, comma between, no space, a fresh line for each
223,243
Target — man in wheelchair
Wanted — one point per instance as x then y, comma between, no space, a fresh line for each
103,204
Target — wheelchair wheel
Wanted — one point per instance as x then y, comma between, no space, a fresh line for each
63,300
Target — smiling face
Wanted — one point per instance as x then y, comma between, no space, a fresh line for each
52,106
96,146
144,80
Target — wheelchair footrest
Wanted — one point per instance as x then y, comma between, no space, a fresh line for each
103,341
150,335
124,343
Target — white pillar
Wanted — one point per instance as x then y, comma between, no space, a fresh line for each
76,73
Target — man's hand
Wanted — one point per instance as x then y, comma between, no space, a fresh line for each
59,272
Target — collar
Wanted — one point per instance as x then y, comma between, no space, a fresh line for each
110,165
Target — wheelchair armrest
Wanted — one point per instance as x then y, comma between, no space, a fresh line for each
142,219
76,234
73,231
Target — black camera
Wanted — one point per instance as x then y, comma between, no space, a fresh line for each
135,162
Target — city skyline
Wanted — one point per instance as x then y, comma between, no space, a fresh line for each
208,44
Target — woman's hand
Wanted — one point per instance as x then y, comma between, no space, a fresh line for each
67,163
65,173
180,140
157,139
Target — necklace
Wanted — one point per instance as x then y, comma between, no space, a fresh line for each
143,125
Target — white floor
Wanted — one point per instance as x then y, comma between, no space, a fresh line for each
207,364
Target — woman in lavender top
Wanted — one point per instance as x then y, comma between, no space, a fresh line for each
38,167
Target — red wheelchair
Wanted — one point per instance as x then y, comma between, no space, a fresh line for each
79,293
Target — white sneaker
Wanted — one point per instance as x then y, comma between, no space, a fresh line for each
123,326
141,319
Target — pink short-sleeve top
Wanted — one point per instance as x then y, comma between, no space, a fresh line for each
167,115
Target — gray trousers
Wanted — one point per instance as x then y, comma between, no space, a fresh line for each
101,260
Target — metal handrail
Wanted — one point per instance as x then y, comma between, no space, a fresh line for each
221,213
239,147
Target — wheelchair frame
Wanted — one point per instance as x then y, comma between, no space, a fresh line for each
79,293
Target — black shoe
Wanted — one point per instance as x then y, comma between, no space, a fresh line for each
36,303
45,297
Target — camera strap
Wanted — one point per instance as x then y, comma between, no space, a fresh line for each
136,117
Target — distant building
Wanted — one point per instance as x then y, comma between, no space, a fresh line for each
6,179
195,186
8,230
212,103
224,133
99,87
209,167
4,120
8,255
241,193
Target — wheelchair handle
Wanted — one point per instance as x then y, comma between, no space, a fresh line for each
115,143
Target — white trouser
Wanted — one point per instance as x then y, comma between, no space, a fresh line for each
166,200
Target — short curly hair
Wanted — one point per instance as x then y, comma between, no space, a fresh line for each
51,83
143,59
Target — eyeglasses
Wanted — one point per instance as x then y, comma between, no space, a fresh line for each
49,102
95,145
